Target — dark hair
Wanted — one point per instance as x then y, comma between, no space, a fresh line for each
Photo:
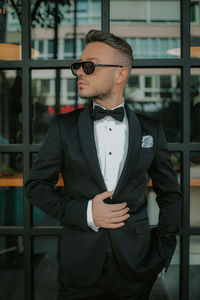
124,51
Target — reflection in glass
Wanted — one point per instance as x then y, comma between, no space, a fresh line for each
10,30
151,27
157,93
10,107
11,193
12,264
195,188
194,267
59,27
39,217
45,267
168,288
153,209
195,105
195,28
53,91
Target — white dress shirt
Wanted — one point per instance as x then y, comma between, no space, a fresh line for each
111,139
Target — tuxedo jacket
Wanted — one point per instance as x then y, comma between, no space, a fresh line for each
69,148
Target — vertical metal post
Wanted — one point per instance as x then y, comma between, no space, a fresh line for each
57,79
75,49
26,110
105,15
185,237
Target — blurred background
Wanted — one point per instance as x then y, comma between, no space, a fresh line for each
39,39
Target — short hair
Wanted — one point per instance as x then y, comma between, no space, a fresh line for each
124,50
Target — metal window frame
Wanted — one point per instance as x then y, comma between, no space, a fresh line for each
185,63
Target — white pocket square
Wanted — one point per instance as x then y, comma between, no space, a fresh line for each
147,141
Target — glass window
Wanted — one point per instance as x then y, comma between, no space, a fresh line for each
194,267
44,95
71,85
41,46
156,92
168,288
45,86
68,48
148,81
95,6
39,217
195,28
195,188
10,107
152,24
10,30
11,192
153,209
44,16
82,6
195,105
50,47
45,260
11,271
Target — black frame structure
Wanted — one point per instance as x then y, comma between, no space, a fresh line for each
184,63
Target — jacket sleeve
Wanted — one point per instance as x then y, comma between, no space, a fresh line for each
40,186
168,196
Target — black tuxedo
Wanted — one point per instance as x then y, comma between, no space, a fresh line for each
69,148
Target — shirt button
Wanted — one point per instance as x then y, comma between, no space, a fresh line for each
110,153
110,129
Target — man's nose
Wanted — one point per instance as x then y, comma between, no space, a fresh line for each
80,71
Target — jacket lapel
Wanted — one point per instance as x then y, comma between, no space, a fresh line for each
86,137
133,150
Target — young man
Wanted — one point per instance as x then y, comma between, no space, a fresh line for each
106,154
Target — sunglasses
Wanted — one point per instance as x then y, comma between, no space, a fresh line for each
88,67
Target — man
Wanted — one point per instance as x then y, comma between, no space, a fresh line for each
106,154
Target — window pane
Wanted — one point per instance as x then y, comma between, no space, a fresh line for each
10,30
11,192
45,267
153,209
53,91
195,105
39,217
73,19
168,288
10,107
151,27
195,28
195,188
194,267
158,95
12,264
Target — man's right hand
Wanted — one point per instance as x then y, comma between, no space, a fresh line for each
108,215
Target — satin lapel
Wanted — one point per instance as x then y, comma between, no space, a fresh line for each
86,136
133,150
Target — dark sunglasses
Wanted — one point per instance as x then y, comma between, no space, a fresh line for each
88,67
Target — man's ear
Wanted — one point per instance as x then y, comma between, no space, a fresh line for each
121,75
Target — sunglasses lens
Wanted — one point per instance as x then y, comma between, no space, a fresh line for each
75,67
88,67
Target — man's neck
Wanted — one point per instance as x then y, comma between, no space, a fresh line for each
108,104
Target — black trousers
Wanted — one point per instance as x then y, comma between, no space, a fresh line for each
110,286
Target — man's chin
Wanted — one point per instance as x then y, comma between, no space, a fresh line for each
89,97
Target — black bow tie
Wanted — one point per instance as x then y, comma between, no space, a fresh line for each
99,113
